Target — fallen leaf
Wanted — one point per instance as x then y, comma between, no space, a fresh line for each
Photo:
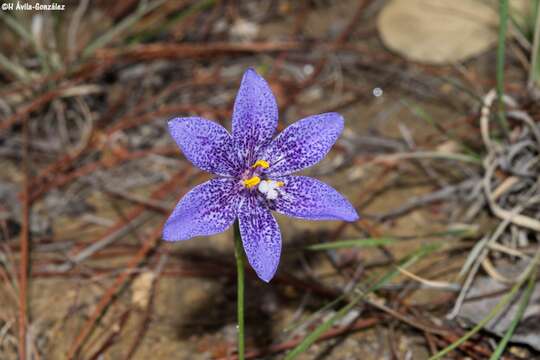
141,288
439,31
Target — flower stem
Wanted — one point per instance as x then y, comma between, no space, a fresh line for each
239,255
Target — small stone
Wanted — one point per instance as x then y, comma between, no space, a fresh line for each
243,30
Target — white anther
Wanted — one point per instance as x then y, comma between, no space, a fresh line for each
269,188
272,194
264,186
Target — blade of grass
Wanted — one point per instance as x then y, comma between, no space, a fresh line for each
503,24
468,231
519,314
315,334
493,313
343,296
434,155
534,71
143,9
312,316
26,35
368,242
418,111
463,88
195,8
532,17
389,240
14,69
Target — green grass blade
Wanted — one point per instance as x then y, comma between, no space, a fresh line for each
464,89
419,112
26,35
193,9
368,242
311,317
16,27
494,312
436,155
534,71
14,69
143,9
520,311
321,329
469,231
503,24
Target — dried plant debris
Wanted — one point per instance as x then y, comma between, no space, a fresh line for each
484,295
103,174
10,212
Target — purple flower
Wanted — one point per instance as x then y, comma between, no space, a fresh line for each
254,174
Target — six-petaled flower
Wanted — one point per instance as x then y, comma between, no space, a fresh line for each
254,174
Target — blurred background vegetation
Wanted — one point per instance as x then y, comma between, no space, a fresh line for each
440,156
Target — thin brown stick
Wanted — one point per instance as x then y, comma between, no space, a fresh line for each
113,336
111,292
332,333
35,105
344,36
176,51
151,242
145,323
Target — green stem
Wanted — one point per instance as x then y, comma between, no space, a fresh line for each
503,23
534,72
239,255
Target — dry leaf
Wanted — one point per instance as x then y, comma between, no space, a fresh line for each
439,31
141,288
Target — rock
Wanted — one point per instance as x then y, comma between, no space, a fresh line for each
243,30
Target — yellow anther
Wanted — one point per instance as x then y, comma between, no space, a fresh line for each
262,163
254,181
280,183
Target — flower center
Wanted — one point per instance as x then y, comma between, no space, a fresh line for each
254,177
251,176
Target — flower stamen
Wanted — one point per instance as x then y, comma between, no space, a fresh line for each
262,163
251,182
270,188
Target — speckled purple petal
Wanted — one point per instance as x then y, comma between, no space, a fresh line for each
261,236
207,209
255,116
206,144
307,198
303,143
